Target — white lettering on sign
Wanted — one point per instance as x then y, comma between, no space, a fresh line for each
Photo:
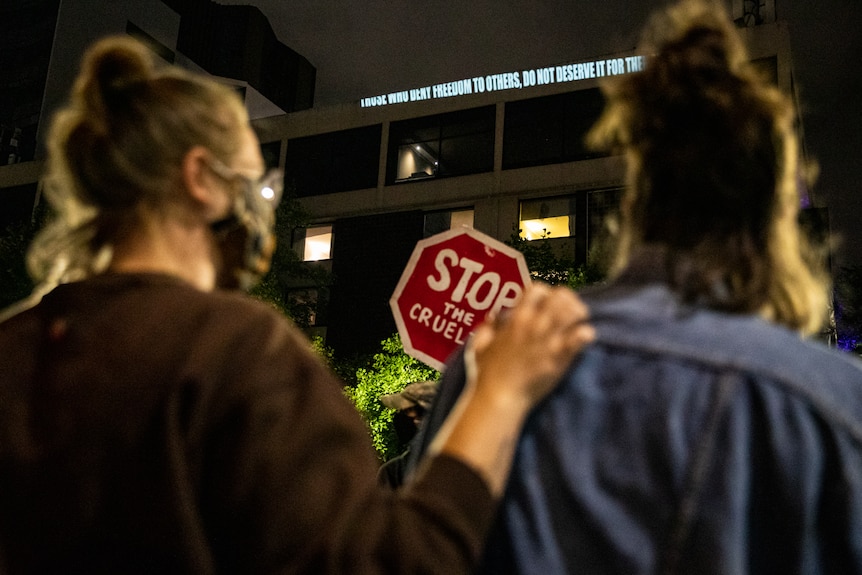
451,283
496,297
438,323
512,80
458,314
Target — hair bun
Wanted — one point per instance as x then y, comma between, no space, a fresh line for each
119,66
694,37
111,67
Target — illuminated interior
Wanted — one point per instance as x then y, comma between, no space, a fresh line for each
461,218
318,244
543,228
548,218
416,161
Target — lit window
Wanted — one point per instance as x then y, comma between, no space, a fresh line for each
548,218
451,144
462,218
314,244
417,161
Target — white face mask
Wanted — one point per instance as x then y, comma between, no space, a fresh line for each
245,237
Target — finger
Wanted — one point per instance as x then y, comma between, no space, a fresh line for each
583,335
481,337
531,308
567,331
565,310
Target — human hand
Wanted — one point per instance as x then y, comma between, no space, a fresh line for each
521,354
512,362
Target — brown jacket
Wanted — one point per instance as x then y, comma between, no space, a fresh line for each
146,426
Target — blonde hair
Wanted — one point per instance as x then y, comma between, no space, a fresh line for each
118,147
712,167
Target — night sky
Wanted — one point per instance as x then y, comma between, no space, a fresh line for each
362,49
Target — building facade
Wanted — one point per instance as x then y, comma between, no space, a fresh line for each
41,46
503,153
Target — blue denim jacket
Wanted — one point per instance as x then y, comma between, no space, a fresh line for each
684,441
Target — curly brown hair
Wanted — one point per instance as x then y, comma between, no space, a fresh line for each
712,166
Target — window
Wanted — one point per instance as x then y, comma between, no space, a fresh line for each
157,47
19,202
308,306
550,129
437,222
548,218
603,207
334,162
768,67
271,151
313,244
453,144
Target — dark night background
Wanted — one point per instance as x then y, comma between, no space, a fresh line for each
367,48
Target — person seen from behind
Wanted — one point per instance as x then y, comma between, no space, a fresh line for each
154,421
703,432
411,404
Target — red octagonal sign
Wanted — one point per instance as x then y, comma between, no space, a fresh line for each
452,281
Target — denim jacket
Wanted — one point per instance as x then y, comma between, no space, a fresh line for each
684,441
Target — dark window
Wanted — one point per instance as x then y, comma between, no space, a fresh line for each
370,254
308,306
333,162
271,151
18,204
441,221
603,207
768,67
157,47
453,144
550,129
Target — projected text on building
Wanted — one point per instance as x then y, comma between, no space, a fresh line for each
511,81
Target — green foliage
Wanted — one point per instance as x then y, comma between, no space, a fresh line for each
279,287
327,353
584,275
390,371
345,369
543,263
847,286
270,291
547,266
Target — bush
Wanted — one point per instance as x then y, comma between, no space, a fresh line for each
551,268
390,371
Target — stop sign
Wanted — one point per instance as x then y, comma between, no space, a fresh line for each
452,281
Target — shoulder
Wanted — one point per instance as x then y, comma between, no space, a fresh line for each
164,313
651,318
182,305
648,320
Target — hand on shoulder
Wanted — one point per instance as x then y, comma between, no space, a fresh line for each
522,353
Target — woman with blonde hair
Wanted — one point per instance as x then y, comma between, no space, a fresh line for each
701,433
153,422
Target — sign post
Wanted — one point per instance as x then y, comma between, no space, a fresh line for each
451,282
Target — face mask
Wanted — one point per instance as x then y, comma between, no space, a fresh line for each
245,237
